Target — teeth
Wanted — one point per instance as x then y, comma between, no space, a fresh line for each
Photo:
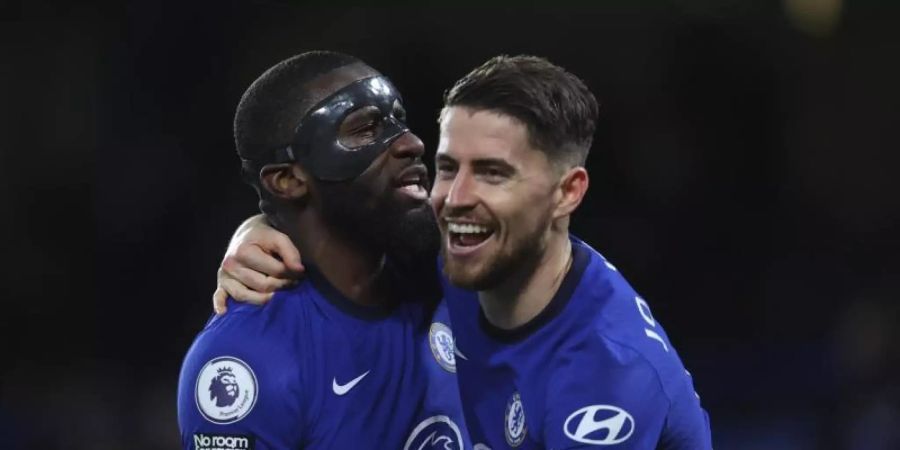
466,228
414,188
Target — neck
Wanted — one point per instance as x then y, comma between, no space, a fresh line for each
523,295
356,271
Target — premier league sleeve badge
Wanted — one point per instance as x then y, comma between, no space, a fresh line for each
226,390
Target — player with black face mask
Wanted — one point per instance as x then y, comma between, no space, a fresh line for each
350,357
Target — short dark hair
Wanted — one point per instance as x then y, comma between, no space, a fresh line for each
557,108
271,108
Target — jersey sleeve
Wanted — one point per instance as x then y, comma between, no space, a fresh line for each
617,398
613,398
240,386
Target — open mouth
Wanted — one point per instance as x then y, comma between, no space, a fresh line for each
415,190
412,182
467,237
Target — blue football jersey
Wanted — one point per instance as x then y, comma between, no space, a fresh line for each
313,370
595,368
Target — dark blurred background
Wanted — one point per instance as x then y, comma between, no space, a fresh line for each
744,178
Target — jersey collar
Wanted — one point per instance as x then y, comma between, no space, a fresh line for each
580,259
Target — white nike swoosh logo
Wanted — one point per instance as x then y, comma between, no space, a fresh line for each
341,389
458,353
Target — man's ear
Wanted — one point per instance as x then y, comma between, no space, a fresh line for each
285,181
572,187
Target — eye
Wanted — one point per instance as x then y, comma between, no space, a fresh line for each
492,175
370,127
445,169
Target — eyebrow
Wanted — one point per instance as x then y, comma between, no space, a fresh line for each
480,162
493,162
443,157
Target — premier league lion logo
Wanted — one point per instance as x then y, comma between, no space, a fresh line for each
224,387
226,390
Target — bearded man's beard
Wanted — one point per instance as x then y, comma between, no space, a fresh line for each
356,213
519,258
414,239
381,222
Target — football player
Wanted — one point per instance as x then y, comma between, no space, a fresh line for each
356,354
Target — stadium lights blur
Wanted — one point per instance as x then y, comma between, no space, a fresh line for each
817,18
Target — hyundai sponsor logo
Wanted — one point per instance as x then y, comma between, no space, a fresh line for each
599,425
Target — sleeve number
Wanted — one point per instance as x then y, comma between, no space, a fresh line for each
650,331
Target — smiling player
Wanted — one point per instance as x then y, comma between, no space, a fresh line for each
560,350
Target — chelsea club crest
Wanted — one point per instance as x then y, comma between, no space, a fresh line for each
440,338
514,421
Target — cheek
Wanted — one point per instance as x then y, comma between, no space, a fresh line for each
374,186
438,195
521,212
376,174
439,187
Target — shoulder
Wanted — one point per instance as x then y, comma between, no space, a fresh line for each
605,366
264,335
619,363
606,391
289,312
602,291
649,396
606,358
618,324
244,374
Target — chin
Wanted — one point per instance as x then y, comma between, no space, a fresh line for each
413,236
423,212
460,277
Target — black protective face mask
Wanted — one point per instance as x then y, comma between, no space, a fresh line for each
316,144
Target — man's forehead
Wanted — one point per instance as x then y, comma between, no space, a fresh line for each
484,132
330,82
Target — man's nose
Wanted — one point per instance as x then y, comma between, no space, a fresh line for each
408,145
461,193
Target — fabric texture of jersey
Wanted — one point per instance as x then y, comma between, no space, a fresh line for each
313,370
593,370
